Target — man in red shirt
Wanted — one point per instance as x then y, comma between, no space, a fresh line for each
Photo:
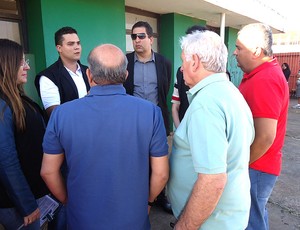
266,92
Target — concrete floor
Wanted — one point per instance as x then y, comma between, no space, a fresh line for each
284,203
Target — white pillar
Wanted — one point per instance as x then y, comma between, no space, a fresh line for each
222,27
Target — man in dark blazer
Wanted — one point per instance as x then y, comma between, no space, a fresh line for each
149,77
149,73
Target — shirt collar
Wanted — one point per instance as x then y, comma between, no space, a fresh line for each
152,57
102,90
216,77
77,70
272,62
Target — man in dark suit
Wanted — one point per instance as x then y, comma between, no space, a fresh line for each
149,77
149,72
66,79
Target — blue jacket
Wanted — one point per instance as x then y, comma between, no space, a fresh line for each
20,159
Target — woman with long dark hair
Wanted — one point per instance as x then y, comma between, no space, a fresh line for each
286,70
21,133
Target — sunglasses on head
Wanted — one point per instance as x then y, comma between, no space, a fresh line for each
139,35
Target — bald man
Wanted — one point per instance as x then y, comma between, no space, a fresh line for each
108,185
266,92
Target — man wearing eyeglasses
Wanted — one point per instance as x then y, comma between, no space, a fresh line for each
149,77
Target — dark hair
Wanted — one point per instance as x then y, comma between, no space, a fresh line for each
11,55
286,65
195,28
146,25
58,37
286,71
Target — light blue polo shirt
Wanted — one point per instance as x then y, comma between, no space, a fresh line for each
214,137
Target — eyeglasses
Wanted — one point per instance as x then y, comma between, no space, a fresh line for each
139,35
25,63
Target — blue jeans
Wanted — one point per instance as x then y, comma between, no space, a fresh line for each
261,188
12,220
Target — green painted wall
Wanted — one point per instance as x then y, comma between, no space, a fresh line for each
35,33
235,72
95,21
29,86
172,27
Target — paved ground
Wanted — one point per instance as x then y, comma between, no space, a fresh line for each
284,203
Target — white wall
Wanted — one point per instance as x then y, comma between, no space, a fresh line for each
10,30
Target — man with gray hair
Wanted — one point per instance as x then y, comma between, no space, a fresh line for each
209,185
109,140
266,92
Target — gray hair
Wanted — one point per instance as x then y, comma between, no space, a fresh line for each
103,74
209,47
258,35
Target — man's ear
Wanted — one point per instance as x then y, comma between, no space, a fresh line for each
90,77
58,48
151,39
195,62
126,74
257,51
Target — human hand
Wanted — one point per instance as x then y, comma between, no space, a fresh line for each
32,217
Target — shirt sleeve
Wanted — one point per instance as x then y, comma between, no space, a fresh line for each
159,142
49,92
175,95
11,174
51,142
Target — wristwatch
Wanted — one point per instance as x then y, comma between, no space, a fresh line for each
151,203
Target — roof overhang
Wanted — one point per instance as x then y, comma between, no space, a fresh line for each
237,13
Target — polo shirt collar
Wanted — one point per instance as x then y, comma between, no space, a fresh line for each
105,90
216,77
272,62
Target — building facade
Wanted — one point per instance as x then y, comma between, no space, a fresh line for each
34,22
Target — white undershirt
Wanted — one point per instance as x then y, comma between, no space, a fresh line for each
49,91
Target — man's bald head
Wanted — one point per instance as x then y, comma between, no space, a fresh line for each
107,64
